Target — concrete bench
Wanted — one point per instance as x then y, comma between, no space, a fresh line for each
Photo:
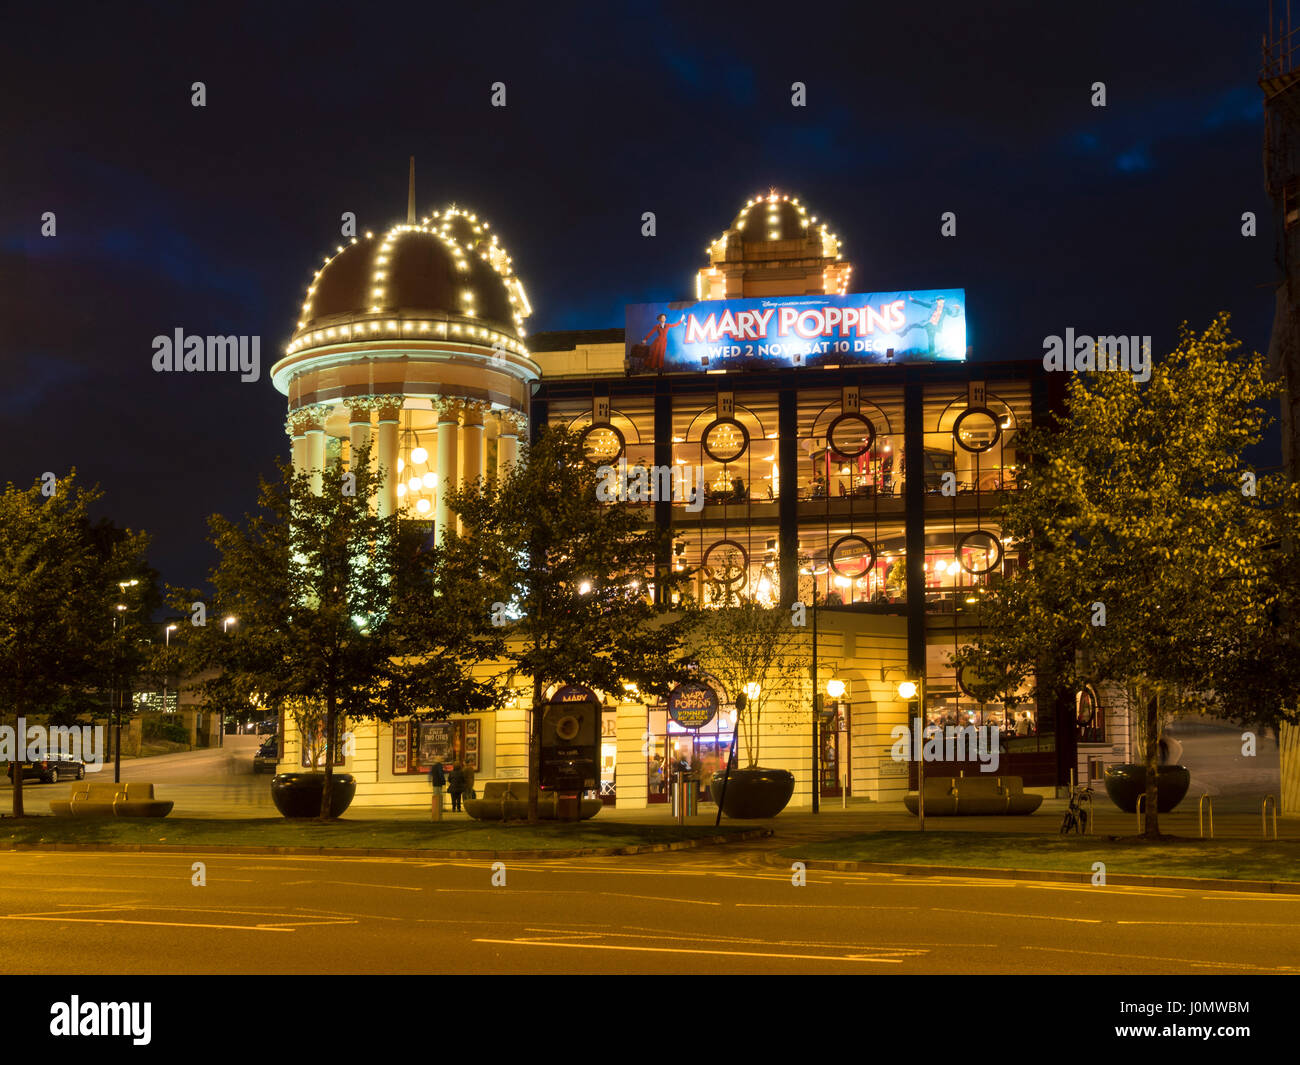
507,800
111,800
978,795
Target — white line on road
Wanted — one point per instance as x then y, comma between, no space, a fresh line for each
684,950
158,924
1017,916
349,883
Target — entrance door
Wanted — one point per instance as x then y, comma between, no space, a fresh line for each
833,740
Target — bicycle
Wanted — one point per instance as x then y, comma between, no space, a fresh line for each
1076,817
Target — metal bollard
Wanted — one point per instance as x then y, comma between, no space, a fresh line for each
1263,815
1203,806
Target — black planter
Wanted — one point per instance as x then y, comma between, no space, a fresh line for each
298,794
1124,783
754,793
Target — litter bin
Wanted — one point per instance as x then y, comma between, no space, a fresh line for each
686,797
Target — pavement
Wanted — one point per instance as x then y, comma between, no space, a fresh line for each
219,783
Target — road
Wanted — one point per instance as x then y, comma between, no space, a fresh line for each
712,910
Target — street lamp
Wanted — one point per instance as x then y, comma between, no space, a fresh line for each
120,693
908,690
226,622
167,642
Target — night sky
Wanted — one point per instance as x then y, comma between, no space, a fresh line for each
1122,220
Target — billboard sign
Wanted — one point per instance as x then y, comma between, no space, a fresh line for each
571,729
783,331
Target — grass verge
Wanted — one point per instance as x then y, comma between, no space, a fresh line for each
1215,859
398,835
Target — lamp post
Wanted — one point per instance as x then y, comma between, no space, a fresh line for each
122,586
167,642
835,688
909,689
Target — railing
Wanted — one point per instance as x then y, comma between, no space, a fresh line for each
1141,814
1203,806
1263,815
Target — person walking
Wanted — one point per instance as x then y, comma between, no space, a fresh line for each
439,781
456,785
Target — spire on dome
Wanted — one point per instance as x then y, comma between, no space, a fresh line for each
410,196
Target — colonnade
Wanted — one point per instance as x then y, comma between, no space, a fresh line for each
460,444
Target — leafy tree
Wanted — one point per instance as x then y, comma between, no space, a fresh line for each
340,615
576,580
58,599
748,643
1150,545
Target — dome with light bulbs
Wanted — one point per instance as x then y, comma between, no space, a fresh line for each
774,246
422,276
411,342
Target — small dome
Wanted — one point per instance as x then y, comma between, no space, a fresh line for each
772,217
448,267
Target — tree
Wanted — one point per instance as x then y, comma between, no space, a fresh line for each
748,644
341,615
574,579
58,599
1149,542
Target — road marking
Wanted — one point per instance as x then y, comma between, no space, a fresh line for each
157,924
684,950
1156,957
1018,916
658,898
348,883
818,906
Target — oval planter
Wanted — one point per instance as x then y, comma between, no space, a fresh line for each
298,794
1124,783
754,793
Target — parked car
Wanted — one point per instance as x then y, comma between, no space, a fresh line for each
51,770
267,756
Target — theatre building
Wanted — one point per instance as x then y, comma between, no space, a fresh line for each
832,442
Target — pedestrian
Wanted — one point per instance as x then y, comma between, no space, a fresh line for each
439,781
456,785
470,793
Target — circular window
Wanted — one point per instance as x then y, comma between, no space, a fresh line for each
602,444
726,563
725,440
979,552
977,429
851,556
979,684
851,435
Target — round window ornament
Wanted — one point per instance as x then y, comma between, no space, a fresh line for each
851,435
973,545
977,430
567,727
852,556
725,440
602,444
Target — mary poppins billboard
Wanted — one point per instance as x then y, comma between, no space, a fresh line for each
779,331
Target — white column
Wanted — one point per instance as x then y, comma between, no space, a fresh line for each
507,446
448,416
316,455
387,459
358,433
299,451
471,446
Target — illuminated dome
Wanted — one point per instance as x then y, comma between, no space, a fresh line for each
411,343
771,219
774,246
418,278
